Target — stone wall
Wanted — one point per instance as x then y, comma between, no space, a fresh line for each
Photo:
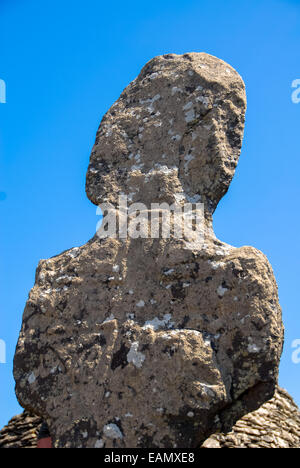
20,432
275,425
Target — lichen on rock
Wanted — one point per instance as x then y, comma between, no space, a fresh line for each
276,424
132,342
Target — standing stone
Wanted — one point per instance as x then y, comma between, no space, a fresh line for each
155,342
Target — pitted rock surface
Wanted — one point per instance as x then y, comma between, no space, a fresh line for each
174,134
276,424
152,342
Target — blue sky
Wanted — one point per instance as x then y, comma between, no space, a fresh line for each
65,62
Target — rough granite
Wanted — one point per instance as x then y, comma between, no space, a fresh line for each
132,342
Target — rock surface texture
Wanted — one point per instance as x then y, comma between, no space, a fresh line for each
154,342
276,424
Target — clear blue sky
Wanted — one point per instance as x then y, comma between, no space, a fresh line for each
65,62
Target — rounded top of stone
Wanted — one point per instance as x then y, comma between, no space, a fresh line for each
174,134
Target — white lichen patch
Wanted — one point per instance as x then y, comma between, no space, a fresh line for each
209,390
99,444
176,90
109,319
134,356
204,100
160,169
141,303
165,169
153,76
224,250
136,168
253,348
156,323
31,379
41,277
73,253
150,101
176,137
64,278
190,116
179,197
216,265
112,431
221,291
169,272
130,196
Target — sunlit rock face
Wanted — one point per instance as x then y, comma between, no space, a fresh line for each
155,342
174,133
276,424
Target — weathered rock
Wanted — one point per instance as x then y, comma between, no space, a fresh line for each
175,133
131,342
276,424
